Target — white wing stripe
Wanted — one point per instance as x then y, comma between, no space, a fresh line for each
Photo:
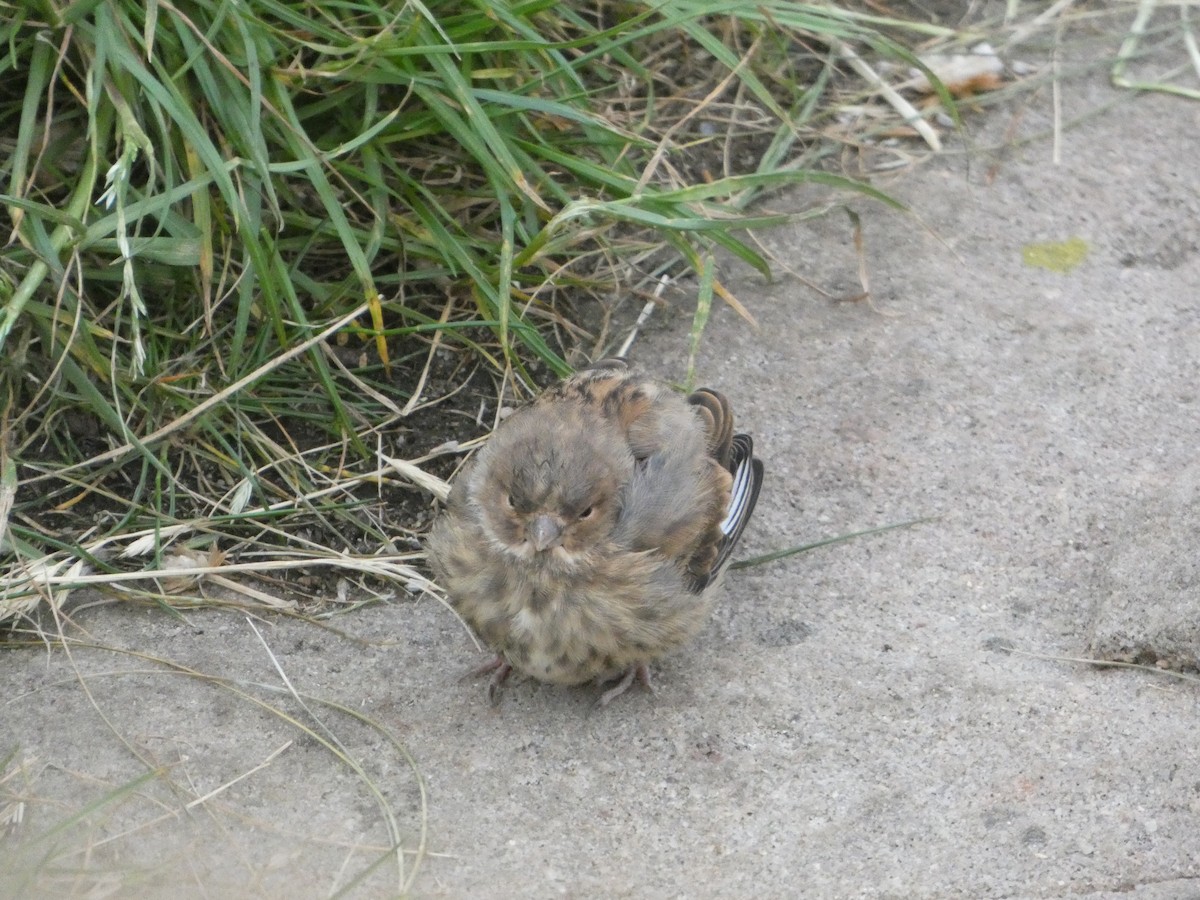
739,496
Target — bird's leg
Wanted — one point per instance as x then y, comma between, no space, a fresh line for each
497,681
640,671
500,670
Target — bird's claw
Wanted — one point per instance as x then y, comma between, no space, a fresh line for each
640,671
499,669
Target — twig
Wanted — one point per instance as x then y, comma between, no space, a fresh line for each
204,406
221,788
661,150
1056,96
907,111
433,347
1137,30
663,280
1023,31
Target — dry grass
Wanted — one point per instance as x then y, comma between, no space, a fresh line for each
168,817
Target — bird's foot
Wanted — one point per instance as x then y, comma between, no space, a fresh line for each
640,671
499,670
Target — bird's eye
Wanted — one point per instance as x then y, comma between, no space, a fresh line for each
587,512
508,501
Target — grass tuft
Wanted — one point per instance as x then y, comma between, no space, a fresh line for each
253,245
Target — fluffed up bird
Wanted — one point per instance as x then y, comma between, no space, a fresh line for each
588,535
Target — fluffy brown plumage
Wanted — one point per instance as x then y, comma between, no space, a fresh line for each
585,539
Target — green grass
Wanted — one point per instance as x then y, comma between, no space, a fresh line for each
247,236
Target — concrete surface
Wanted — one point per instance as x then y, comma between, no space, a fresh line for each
853,723
1148,599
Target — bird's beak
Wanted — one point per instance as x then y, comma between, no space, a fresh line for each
544,532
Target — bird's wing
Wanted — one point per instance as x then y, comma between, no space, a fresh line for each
747,481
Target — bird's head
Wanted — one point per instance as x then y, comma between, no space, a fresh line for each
548,491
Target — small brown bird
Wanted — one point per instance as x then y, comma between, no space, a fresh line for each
585,539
